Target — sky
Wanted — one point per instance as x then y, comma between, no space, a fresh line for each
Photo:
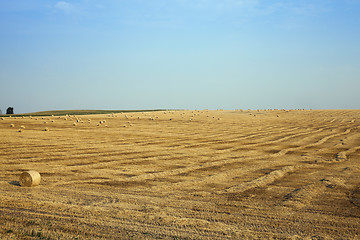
179,54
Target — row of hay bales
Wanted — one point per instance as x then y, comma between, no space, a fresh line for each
22,128
193,115
71,117
75,120
182,115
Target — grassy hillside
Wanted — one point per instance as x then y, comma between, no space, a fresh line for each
77,112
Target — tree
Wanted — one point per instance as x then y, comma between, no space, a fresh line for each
10,110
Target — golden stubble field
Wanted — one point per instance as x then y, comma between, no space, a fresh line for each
183,175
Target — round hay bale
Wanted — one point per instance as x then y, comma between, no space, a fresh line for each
46,129
30,178
12,125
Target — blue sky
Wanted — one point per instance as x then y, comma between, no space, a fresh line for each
184,54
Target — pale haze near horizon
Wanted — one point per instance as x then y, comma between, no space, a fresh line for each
179,54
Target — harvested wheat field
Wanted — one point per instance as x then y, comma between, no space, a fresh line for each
183,175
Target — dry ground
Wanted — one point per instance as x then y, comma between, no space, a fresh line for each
221,175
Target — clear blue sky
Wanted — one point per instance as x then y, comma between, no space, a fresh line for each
187,54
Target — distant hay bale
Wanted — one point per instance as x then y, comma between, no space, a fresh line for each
20,130
22,127
74,124
46,129
30,178
12,125
2,118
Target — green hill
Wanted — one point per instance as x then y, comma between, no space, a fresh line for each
78,112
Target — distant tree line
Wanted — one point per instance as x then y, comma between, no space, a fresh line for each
9,110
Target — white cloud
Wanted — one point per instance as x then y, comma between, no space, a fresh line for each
64,6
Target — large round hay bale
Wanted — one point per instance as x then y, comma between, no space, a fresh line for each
30,178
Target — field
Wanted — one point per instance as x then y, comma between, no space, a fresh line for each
183,175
